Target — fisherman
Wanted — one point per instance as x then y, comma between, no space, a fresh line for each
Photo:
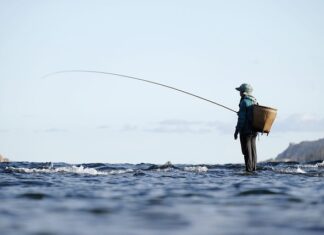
244,127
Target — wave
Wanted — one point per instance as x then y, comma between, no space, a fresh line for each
99,168
285,170
299,170
316,164
196,168
308,169
168,166
70,169
259,191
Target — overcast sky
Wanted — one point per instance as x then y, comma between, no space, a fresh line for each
204,47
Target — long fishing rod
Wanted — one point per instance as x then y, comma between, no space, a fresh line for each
138,79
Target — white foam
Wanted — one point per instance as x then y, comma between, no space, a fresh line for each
196,168
165,169
299,170
71,169
290,170
116,172
320,164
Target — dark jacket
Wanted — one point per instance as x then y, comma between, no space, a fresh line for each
245,115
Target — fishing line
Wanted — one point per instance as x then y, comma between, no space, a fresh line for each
139,79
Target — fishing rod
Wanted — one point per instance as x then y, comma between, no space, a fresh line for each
138,79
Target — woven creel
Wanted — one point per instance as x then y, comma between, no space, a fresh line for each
263,118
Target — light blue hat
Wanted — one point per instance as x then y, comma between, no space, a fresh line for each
245,88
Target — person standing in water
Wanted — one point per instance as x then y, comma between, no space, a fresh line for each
244,127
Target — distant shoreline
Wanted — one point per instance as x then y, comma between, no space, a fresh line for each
305,151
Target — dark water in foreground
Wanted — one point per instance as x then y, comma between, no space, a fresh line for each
58,198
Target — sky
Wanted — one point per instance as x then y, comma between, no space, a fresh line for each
204,47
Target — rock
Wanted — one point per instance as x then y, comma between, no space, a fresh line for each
3,159
305,151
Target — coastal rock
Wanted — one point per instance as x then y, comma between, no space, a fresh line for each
305,151
3,159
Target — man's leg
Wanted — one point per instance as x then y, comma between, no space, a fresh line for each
246,151
254,151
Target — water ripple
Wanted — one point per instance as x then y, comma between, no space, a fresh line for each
146,198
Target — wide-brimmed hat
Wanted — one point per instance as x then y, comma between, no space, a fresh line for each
245,88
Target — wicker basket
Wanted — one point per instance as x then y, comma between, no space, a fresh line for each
263,118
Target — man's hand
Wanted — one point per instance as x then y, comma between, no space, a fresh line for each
235,134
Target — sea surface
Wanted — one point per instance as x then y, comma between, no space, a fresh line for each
59,198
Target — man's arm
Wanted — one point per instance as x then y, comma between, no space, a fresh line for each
241,119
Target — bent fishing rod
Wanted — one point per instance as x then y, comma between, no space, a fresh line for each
138,79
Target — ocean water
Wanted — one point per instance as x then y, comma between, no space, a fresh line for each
59,198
